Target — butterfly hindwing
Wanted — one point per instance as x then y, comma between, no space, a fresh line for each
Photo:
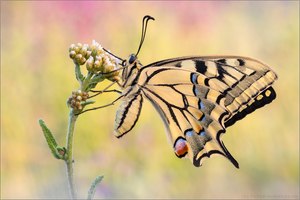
192,121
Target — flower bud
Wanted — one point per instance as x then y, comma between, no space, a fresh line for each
78,57
90,63
82,61
83,51
85,96
72,46
76,49
100,51
73,102
79,45
88,53
79,98
97,64
72,54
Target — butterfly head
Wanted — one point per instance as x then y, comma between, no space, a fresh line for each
132,59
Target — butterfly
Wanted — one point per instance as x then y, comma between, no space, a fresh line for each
197,97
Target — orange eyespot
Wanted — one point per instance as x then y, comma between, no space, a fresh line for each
180,147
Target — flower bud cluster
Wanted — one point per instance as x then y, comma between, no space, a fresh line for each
96,59
79,53
77,97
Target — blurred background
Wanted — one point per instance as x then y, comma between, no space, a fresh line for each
37,77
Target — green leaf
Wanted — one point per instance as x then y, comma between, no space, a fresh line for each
96,79
78,73
50,140
87,102
92,189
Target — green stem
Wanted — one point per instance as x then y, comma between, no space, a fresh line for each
85,84
69,159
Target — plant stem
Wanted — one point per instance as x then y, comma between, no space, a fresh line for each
69,153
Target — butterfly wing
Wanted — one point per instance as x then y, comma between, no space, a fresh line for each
129,111
198,97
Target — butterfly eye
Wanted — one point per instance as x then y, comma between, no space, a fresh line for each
132,58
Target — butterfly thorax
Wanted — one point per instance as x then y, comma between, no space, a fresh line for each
130,71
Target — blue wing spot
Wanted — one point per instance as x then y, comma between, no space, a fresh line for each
189,133
201,105
202,133
196,91
194,78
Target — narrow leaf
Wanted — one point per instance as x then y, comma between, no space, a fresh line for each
93,187
78,73
50,139
84,103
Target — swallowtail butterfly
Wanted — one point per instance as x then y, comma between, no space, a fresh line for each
197,97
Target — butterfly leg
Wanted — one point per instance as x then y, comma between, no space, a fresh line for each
96,108
104,90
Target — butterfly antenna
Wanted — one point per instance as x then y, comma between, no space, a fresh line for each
123,61
144,29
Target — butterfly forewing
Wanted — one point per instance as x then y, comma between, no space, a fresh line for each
197,98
